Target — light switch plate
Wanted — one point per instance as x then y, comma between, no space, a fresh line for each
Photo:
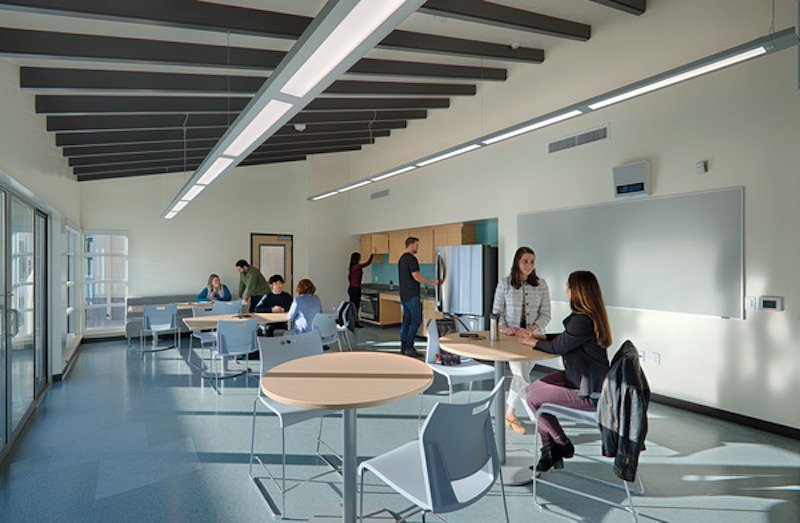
749,303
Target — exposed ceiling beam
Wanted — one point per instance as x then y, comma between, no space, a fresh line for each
176,121
191,14
83,79
201,133
61,104
635,7
115,49
178,145
509,17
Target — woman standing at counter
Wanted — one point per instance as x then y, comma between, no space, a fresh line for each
582,346
214,291
523,302
354,275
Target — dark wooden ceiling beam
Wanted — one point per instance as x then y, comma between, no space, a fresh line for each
176,121
51,78
635,7
191,14
68,45
196,155
201,133
179,169
157,167
178,145
509,17
82,104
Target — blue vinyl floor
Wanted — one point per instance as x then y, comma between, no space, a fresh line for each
123,439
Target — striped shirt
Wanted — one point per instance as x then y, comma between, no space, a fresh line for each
508,303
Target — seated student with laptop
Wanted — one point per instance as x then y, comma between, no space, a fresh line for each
274,301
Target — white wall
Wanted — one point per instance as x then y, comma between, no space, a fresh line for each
745,121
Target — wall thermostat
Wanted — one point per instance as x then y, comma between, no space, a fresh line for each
632,179
770,303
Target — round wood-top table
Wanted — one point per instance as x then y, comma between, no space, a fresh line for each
507,348
347,381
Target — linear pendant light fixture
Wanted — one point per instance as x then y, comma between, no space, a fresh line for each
765,45
342,33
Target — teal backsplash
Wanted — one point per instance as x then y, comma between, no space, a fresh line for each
387,272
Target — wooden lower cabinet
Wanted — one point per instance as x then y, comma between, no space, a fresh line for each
390,312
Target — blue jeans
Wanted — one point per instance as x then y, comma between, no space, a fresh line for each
412,318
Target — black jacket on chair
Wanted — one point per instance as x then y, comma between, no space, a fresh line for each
622,411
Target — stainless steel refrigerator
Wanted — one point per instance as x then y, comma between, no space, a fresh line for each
468,275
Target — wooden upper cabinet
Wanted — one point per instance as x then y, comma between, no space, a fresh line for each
379,242
426,253
454,234
397,245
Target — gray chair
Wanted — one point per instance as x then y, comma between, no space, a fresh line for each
273,352
325,324
234,338
206,336
228,307
345,314
159,319
453,464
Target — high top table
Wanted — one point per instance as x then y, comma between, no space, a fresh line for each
507,348
347,381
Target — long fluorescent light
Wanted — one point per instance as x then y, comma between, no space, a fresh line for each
354,186
271,113
448,155
323,196
719,64
393,173
180,205
533,126
359,24
193,192
170,215
216,168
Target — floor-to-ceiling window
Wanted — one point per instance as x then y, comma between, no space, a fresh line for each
106,280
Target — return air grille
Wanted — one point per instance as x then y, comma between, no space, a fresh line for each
379,194
601,133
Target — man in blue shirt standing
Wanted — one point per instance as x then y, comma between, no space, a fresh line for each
410,278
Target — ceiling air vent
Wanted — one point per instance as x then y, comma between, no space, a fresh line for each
562,144
379,194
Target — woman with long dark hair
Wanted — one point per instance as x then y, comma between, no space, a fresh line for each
582,347
522,301
354,275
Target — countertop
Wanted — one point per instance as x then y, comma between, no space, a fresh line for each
425,292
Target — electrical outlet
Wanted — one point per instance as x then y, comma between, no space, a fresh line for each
655,357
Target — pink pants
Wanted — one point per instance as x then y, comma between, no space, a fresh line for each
551,389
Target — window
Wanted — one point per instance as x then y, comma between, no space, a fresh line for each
71,242
106,280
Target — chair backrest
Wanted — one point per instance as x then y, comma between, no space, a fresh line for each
235,337
346,315
459,452
325,324
433,342
228,307
160,316
274,351
204,310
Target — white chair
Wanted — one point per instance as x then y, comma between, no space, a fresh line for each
273,352
159,319
452,464
345,314
587,418
325,325
468,371
227,307
234,338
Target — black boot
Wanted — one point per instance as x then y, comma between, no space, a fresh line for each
549,460
567,450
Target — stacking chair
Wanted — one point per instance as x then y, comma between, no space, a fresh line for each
467,371
159,319
228,307
207,336
587,418
234,338
452,464
325,324
346,315
273,352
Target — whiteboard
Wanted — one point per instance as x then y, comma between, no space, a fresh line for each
674,253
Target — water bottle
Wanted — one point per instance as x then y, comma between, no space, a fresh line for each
494,329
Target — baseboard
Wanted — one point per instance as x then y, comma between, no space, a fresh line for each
712,412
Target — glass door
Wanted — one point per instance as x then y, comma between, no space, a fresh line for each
5,430
40,362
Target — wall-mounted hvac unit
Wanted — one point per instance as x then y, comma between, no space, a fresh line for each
632,179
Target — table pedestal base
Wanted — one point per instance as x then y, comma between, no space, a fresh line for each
516,470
